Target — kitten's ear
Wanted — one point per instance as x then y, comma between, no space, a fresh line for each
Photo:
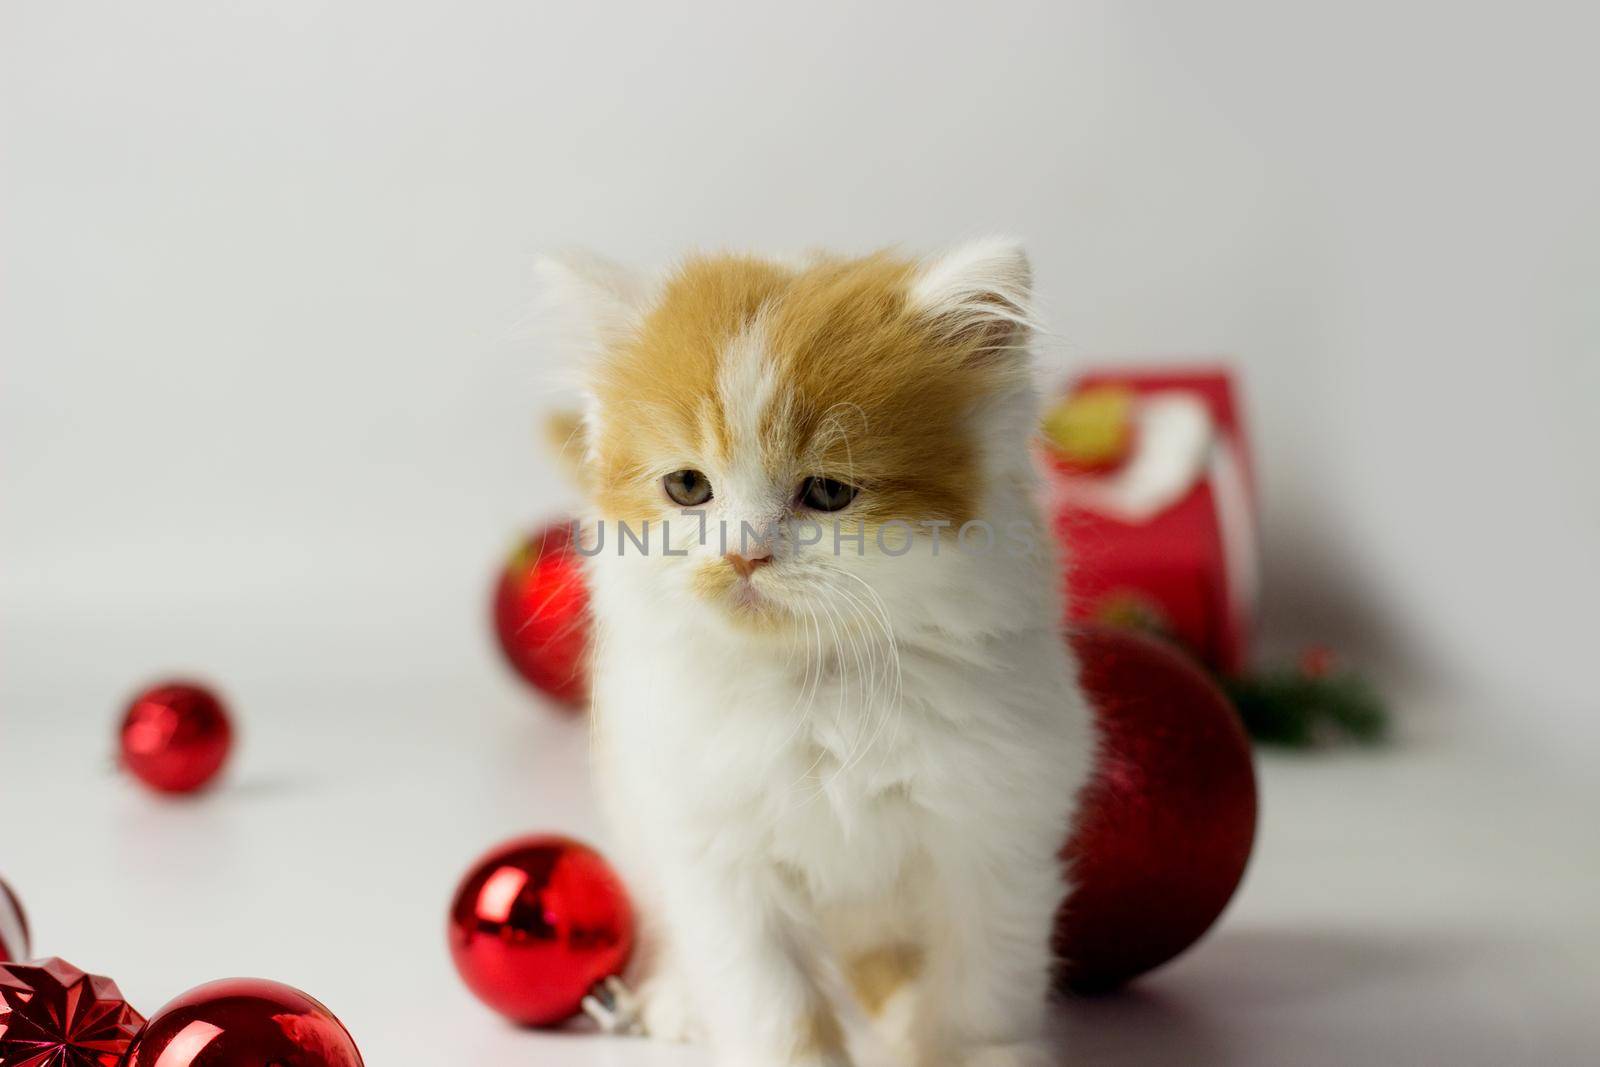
589,301
586,305
979,294
566,434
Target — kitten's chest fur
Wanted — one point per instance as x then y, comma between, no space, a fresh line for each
848,799
843,767
860,756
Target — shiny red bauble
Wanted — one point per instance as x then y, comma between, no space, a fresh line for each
243,1022
541,614
175,737
1167,820
54,1015
535,924
13,926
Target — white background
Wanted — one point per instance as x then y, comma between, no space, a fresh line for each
268,413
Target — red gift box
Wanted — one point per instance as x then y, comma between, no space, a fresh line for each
1164,535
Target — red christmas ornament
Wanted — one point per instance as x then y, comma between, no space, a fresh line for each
1168,819
13,927
175,737
541,614
535,924
243,1022
54,1015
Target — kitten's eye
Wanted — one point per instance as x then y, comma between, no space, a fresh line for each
825,494
687,488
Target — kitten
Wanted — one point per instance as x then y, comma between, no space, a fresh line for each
835,738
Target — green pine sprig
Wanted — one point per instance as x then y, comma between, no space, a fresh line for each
1292,708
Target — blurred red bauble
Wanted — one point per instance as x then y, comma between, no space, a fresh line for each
1168,818
243,1022
175,737
541,614
535,924
13,926
54,1015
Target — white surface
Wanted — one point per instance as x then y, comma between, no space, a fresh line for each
1427,904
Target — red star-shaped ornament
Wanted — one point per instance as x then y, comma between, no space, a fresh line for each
54,1015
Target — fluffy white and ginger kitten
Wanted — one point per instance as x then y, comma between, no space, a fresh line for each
838,730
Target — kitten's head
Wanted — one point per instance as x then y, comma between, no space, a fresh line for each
799,432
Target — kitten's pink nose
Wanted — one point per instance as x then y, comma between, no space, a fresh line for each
746,561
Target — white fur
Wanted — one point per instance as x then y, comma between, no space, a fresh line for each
747,383
988,278
901,768
588,303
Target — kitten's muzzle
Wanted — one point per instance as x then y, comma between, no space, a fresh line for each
744,563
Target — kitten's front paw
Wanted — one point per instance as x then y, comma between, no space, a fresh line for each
1018,1054
667,1013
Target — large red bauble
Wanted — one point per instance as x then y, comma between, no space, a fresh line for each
535,924
541,614
13,926
54,1015
175,737
243,1022
1167,820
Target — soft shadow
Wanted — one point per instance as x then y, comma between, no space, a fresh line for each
1275,967
1208,1006
1315,590
1136,1026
